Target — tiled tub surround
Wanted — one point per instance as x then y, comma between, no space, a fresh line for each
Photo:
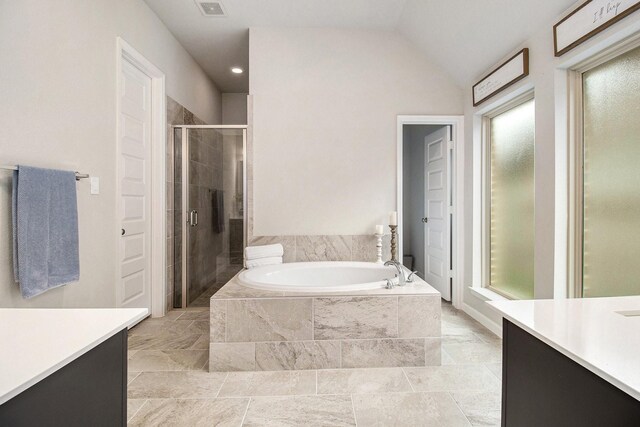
327,248
256,330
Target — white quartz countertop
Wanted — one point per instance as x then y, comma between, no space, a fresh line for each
590,331
34,343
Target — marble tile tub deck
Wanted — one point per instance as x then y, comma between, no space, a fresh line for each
257,330
169,383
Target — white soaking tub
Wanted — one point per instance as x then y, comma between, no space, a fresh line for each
332,276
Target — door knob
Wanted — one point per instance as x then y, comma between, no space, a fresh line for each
425,220
123,232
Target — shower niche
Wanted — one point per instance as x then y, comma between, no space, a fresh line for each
209,210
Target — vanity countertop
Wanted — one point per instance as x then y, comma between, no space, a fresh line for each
34,343
590,331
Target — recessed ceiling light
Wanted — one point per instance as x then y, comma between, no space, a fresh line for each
236,70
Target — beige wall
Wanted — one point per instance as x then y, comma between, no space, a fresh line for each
542,78
325,103
57,109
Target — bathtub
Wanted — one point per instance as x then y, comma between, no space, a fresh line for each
318,276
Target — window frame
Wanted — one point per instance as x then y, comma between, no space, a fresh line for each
576,162
485,236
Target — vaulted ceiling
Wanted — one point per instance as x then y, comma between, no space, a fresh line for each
463,37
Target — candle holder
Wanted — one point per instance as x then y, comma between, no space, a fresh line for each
394,243
379,247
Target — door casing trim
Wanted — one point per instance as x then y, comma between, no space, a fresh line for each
457,134
158,276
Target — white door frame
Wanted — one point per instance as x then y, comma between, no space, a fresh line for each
457,124
158,276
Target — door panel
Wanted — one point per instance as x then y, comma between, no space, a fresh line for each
134,187
436,226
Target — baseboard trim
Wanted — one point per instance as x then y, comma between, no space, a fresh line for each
484,320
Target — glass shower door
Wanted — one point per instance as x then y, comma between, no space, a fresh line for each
211,222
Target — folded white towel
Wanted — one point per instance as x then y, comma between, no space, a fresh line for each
266,251
252,263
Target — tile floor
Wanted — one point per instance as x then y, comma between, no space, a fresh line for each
169,384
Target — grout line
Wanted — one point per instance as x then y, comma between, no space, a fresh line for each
135,413
458,406
222,385
132,379
408,380
245,412
353,409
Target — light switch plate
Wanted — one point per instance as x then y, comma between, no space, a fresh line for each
95,185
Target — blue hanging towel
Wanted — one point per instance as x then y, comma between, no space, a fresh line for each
45,229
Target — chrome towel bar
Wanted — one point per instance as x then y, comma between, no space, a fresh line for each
79,175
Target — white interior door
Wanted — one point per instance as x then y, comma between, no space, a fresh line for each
436,216
134,182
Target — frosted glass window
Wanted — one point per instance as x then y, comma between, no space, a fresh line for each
511,228
611,196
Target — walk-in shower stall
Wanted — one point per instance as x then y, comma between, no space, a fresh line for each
209,210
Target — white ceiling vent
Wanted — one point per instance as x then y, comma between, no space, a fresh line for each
211,8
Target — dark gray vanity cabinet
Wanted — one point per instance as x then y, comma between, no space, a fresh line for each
543,387
89,391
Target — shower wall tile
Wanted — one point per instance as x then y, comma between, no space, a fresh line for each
355,317
269,320
175,112
189,118
323,248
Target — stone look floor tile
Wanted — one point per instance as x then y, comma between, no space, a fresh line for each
160,326
496,369
300,411
176,384
480,408
474,353
452,378
168,360
276,383
195,315
162,341
348,381
202,343
131,375
437,395
408,409
191,412
133,406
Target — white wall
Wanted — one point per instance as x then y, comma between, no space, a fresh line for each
58,109
543,69
325,103
234,108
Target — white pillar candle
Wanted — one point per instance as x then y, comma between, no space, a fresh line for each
379,229
393,218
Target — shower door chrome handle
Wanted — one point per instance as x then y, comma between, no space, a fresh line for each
193,218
